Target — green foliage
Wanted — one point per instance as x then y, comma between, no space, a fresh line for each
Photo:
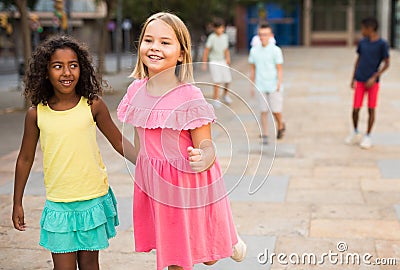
10,3
196,14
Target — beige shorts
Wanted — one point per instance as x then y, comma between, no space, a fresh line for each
274,100
220,72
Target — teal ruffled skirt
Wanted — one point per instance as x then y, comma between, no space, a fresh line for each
83,225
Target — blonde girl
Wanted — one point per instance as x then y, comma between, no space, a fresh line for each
180,203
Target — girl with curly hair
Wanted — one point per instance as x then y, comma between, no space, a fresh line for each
80,212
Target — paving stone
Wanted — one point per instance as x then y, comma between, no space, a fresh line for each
257,188
26,240
25,259
322,89
323,99
7,162
396,104
125,213
389,168
34,186
299,167
124,261
397,209
386,139
346,172
122,243
352,211
6,177
387,199
325,196
323,183
356,229
259,218
121,184
380,185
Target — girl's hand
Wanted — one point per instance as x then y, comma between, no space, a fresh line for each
18,218
196,160
199,159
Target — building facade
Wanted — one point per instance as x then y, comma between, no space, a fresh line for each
83,19
318,22
395,22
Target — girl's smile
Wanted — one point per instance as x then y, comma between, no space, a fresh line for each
64,71
160,48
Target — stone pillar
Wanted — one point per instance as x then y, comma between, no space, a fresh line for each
384,17
241,28
307,22
350,23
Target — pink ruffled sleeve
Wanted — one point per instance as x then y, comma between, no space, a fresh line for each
124,106
199,111
182,109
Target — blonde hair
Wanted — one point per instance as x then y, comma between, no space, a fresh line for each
184,69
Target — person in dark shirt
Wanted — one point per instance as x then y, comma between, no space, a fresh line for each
372,52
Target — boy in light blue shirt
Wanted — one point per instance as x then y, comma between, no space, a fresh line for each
266,61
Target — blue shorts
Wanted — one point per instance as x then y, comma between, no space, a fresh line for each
82,225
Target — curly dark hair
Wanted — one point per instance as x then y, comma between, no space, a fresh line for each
38,88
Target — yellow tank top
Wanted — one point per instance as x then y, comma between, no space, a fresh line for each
72,164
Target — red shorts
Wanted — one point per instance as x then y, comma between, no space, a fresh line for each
361,90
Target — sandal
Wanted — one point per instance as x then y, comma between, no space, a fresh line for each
264,139
281,132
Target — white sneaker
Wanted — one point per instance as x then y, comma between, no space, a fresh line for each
239,250
226,99
216,104
353,138
366,142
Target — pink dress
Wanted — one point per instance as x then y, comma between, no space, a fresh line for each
182,214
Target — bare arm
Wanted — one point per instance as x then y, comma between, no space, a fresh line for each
23,166
205,58
202,156
107,126
280,76
386,64
352,83
376,75
227,56
252,78
205,54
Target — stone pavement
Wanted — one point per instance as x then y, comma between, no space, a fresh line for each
306,194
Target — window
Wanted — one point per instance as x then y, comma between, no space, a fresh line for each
329,15
77,5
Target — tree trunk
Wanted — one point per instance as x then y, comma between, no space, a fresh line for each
103,37
102,47
26,34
